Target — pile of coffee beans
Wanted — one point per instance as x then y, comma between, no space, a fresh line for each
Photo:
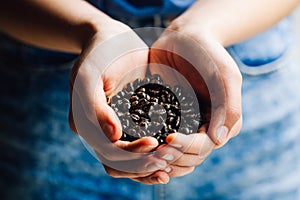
150,108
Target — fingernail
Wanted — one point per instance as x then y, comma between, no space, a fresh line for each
168,157
221,134
160,181
160,165
156,179
168,169
151,167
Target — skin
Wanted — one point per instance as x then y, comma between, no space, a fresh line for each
75,26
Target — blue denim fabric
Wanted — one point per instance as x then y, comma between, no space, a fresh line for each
272,44
138,9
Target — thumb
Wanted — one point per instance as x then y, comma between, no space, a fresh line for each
226,98
89,100
142,145
109,122
226,116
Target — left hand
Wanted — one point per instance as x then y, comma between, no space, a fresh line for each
213,74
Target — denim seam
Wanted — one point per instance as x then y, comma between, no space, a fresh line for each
265,68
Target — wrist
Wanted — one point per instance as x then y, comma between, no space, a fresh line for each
100,28
205,20
201,33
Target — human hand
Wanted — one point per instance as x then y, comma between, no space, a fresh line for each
106,64
213,74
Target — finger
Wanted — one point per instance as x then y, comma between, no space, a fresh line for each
198,143
168,153
189,160
175,157
146,164
159,177
91,133
88,91
177,171
142,145
225,90
111,151
234,132
114,151
121,174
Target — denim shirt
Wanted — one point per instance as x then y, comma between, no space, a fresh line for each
141,9
254,56
258,51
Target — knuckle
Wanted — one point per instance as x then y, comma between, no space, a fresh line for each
234,112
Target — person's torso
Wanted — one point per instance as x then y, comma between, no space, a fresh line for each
256,55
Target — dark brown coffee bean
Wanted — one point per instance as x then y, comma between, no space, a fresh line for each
134,98
134,104
148,105
177,121
156,79
135,117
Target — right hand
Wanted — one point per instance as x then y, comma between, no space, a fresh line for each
92,80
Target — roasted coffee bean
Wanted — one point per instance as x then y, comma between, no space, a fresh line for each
185,130
125,122
167,106
135,117
121,93
156,79
132,132
120,114
155,93
149,108
135,103
142,103
143,124
171,114
129,87
142,89
134,98
126,106
141,95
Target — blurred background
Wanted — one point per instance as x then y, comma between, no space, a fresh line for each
297,23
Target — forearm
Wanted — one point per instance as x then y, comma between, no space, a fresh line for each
231,21
64,25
